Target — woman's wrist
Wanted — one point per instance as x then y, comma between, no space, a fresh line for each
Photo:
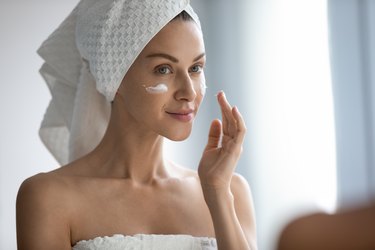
217,196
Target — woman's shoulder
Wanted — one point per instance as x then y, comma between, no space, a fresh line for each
43,209
42,181
41,188
239,183
241,190
44,189
60,180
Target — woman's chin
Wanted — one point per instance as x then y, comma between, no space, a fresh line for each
178,136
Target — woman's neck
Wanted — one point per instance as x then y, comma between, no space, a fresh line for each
129,151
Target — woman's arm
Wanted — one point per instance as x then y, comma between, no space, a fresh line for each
227,195
41,216
233,215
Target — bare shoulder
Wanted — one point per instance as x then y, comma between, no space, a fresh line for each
42,187
243,202
240,186
241,191
42,213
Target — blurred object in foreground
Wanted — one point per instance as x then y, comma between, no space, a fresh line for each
349,229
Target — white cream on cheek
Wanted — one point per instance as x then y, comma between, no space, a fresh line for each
157,88
160,88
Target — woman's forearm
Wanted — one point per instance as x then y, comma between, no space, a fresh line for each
228,231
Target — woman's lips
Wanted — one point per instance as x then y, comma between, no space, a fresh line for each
183,116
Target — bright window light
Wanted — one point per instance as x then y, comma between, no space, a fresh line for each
294,156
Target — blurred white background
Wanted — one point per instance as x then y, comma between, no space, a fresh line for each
24,96
271,57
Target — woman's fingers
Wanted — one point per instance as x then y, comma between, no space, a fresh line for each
229,122
214,135
241,127
234,127
221,100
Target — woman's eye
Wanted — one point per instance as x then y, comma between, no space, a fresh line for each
196,68
163,70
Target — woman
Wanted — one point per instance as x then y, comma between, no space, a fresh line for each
140,79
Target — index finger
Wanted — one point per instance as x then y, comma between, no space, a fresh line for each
229,122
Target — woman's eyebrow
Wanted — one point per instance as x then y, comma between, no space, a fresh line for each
199,57
166,56
172,58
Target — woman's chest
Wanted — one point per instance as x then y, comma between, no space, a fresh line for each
134,211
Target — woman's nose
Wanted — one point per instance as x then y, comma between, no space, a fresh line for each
185,88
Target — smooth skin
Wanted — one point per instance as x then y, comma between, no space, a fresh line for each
125,186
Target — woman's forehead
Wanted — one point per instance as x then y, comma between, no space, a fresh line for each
177,37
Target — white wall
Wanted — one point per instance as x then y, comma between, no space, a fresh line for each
352,35
24,96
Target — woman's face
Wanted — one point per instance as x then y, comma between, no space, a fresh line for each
164,87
